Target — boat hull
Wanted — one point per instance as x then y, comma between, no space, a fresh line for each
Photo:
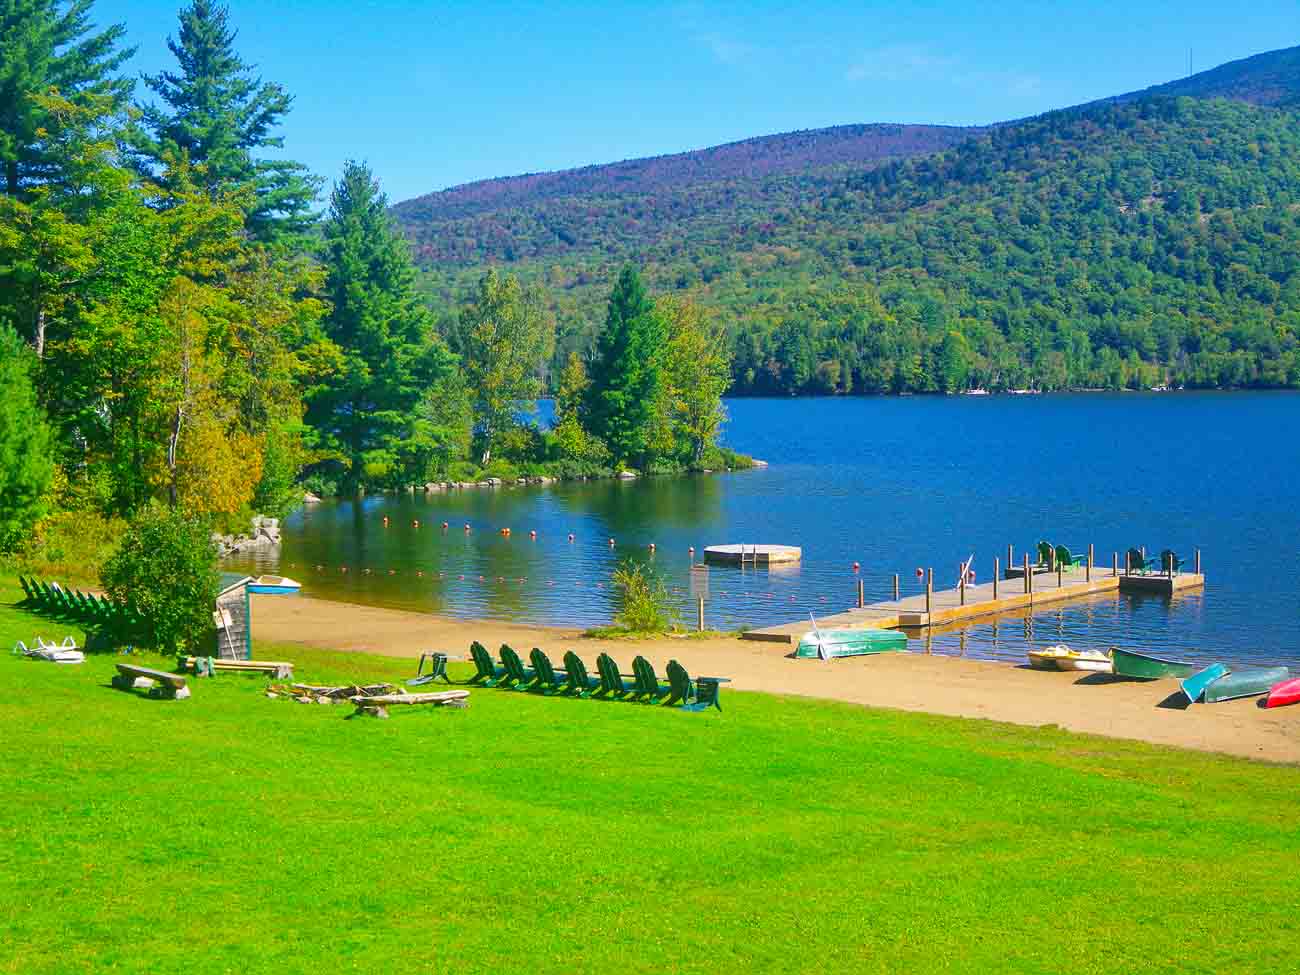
851,643
1245,683
274,586
1287,692
1143,666
1090,665
1195,685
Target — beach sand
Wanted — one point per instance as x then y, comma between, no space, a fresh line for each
1148,711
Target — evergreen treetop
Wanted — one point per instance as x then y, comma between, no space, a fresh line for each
44,47
215,111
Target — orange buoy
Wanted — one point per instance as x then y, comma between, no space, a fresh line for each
856,567
444,526
611,543
533,535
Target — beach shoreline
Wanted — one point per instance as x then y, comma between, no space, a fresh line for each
1151,711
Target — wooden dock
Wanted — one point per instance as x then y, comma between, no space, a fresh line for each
950,606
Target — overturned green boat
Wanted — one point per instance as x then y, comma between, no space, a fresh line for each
1245,683
850,643
1143,666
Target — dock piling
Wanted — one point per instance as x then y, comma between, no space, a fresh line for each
862,594
1060,574
896,586
997,571
1010,556
961,584
1114,563
1197,562
699,614
929,590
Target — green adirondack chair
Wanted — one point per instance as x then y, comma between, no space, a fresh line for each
647,684
486,672
1046,556
1067,561
518,677
549,680
29,595
1137,562
576,677
611,681
694,695
1170,562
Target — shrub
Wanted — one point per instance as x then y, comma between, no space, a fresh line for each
645,605
320,485
70,546
502,469
167,567
462,470
25,465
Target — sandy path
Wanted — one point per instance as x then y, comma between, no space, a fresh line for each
912,682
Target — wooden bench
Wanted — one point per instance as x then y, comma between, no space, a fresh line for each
158,682
377,707
207,666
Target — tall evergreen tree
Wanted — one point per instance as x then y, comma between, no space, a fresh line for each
44,45
625,377
215,111
25,466
362,405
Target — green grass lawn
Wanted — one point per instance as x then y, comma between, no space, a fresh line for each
232,833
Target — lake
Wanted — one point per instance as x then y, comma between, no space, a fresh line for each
893,484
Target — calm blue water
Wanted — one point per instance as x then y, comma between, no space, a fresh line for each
892,483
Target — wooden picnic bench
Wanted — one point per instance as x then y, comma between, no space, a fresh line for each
206,666
377,706
158,682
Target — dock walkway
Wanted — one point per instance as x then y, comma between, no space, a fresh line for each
952,605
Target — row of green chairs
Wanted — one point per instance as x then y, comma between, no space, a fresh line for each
1051,556
609,683
101,613
1139,563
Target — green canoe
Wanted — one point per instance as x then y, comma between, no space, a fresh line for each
1130,663
850,643
1245,683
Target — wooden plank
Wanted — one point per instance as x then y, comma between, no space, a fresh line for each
438,697
172,680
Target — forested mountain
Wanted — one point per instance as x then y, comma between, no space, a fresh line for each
1142,240
630,203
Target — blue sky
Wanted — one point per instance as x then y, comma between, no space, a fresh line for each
437,94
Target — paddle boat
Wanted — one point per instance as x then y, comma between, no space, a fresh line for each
274,585
1245,683
827,644
1144,666
1061,657
1287,692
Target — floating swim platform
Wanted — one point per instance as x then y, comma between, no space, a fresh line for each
753,554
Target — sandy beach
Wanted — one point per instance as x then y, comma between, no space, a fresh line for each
1152,711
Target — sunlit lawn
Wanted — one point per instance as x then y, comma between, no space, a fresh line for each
232,833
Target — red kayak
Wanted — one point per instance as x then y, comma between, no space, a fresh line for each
1287,692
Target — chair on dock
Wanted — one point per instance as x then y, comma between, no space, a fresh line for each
1046,556
1139,564
695,695
1170,563
611,681
578,680
1067,561
486,672
549,680
518,677
646,682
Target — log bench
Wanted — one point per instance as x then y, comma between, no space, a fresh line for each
159,683
279,669
377,706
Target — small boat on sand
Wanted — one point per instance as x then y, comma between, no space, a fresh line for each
274,585
850,643
1287,692
1144,666
1061,657
1245,683
1195,685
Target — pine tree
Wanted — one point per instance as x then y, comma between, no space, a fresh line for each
43,47
216,112
622,400
362,403
25,466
